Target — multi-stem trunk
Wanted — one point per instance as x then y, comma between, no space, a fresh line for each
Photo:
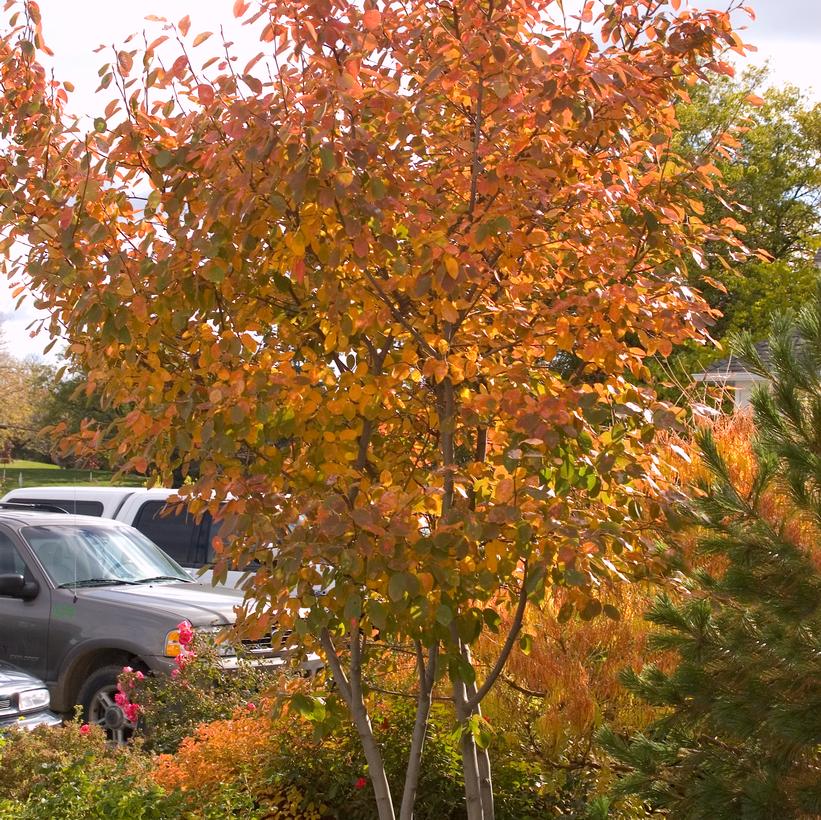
351,690
446,407
470,757
427,675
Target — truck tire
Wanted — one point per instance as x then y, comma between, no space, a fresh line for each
96,697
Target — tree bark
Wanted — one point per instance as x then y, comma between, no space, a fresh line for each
351,691
427,676
470,761
483,763
467,743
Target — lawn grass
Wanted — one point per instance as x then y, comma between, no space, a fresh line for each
39,474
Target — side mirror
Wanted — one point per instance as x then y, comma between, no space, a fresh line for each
14,585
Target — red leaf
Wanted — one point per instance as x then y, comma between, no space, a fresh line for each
372,19
298,270
185,24
180,64
125,61
240,7
205,93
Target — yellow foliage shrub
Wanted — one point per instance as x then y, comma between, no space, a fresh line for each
235,751
734,436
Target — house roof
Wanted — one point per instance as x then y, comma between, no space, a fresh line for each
732,368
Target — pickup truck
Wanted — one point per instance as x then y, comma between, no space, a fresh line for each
177,533
81,597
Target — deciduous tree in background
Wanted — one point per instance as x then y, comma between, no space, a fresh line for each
393,287
771,173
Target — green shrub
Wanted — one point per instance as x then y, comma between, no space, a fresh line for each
71,772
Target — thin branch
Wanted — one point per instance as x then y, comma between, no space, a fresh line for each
512,635
336,667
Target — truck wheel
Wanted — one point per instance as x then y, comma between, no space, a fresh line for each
99,707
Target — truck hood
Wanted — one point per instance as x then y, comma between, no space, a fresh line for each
13,679
200,604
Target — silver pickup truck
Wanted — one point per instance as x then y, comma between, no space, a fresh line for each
81,597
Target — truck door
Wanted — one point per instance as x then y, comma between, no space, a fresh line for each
24,624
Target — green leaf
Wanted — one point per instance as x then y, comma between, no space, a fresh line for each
492,619
278,204
305,705
401,583
575,578
397,586
526,644
611,612
479,728
444,615
535,580
100,124
212,273
326,155
353,608
378,614
163,159
469,625
460,669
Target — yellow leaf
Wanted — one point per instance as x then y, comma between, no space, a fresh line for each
449,312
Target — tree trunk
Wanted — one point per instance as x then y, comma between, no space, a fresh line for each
446,409
467,744
470,768
351,691
427,677
376,766
482,756
485,784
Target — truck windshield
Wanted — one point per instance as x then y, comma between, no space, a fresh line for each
87,555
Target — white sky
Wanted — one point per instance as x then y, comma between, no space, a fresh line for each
786,32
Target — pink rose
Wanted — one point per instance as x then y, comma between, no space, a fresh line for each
85,729
186,633
131,712
251,707
361,783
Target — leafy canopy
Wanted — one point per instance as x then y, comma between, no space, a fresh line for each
392,284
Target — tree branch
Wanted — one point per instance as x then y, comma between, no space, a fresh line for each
504,654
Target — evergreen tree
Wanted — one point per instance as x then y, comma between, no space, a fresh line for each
740,732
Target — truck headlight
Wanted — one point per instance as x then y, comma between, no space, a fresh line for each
34,699
173,647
